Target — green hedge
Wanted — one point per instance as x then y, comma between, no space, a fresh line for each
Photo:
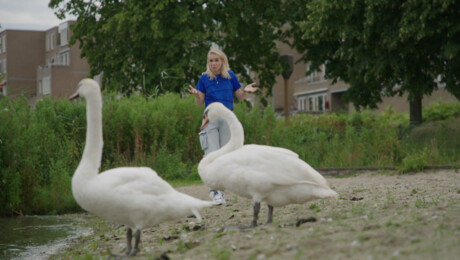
41,146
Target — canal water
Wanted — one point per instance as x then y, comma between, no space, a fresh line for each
37,237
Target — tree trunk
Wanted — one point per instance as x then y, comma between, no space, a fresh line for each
415,112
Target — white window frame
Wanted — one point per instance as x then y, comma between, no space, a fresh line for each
317,102
302,103
313,77
64,33
50,41
63,58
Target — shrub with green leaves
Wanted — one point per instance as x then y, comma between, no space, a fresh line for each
41,145
415,162
441,111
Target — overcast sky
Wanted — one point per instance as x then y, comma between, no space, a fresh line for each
27,15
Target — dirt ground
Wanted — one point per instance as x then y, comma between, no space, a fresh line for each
378,216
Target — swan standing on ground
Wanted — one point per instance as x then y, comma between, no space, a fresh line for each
133,196
259,172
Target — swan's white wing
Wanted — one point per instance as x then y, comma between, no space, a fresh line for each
264,166
136,197
135,180
272,149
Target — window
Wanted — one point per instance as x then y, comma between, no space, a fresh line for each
311,77
63,33
50,41
318,102
302,104
316,76
63,58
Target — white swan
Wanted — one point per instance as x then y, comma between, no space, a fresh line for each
259,172
131,196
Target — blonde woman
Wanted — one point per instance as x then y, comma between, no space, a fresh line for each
217,84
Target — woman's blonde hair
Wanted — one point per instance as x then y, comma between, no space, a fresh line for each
225,67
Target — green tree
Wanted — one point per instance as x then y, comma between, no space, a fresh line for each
163,44
385,47
153,44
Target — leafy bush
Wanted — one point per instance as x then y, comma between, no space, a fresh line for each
415,162
441,111
41,146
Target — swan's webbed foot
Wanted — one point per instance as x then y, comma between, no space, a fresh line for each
133,252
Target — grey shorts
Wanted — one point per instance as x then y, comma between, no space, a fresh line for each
214,136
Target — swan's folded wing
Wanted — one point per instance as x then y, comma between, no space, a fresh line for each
267,166
135,180
271,149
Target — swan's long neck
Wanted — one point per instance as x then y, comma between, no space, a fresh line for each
92,155
236,138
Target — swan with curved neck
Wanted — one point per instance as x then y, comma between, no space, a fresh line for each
259,172
132,196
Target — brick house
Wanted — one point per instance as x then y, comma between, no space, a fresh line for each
315,94
39,63
21,52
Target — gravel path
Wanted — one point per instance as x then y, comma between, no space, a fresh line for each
378,216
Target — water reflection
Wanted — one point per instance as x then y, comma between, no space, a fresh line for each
37,237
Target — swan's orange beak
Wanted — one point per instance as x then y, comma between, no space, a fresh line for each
74,96
205,122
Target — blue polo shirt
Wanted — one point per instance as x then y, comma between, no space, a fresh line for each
219,89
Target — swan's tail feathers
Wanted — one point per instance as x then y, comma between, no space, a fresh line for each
201,204
205,204
326,193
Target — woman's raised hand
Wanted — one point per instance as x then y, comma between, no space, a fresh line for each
192,90
250,88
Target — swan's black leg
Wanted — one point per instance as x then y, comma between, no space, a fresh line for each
137,238
256,214
270,214
129,237
253,222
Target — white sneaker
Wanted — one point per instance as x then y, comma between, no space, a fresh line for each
217,196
